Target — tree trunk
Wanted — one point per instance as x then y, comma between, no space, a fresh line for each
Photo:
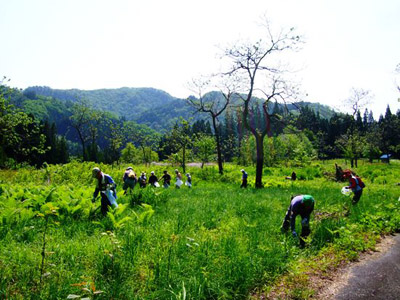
259,161
217,139
183,159
83,148
144,155
82,142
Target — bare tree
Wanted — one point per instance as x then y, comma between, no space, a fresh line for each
213,104
358,99
258,67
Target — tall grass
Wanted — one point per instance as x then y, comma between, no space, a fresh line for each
214,241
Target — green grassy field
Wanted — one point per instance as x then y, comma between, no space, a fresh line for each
214,241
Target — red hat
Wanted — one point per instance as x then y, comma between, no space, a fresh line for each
346,173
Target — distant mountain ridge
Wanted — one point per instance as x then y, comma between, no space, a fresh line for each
153,107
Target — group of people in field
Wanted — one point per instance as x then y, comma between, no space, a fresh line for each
106,186
302,205
130,179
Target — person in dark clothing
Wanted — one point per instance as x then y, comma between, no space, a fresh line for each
153,179
244,178
166,179
188,182
129,179
355,184
302,205
104,185
292,177
143,180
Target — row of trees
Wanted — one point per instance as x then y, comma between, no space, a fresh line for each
296,137
243,113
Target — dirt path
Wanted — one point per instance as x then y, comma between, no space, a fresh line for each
375,276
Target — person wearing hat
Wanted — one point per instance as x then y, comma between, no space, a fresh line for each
302,205
143,180
188,182
129,179
179,181
355,184
244,179
104,184
166,179
153,179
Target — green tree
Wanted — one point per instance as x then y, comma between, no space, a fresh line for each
387,127
229,138
57,151
247,151
372,142
179,139
130,154
351,145
115,139
81,118
145,138
20,136
204,148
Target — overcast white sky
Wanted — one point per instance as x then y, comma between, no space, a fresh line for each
92,44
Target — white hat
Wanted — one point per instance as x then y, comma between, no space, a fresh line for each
152,172
242,170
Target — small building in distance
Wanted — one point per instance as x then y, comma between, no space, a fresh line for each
385,158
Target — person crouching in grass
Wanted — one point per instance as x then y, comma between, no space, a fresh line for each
302,205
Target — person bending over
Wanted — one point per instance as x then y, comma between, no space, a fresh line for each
302,205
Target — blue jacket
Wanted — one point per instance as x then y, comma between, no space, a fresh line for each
102,183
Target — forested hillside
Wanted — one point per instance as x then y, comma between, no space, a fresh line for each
40,128
149,106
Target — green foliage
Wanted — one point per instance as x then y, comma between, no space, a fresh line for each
112,117
130,154
20,136
179,140
152,107
204,148
288,149
212,241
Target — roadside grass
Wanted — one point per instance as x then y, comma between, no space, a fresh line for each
214,241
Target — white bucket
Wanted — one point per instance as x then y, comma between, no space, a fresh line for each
346,191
